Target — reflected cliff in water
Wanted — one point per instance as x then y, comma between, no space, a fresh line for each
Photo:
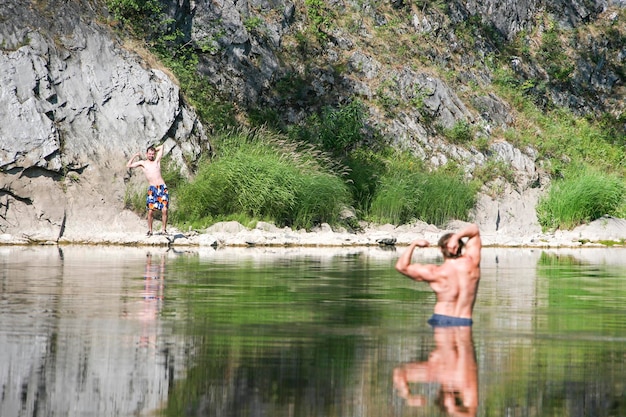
81,333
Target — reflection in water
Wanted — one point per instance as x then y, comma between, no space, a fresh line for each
154,281
73,331
452,366
305,332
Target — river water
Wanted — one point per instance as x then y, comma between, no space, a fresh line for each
116,331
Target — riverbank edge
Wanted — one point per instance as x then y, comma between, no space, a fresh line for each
606,232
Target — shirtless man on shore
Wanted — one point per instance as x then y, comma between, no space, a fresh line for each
455,282
158,197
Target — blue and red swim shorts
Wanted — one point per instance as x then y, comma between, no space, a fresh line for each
158,197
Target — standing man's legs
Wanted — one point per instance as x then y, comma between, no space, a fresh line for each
164,219
163,204
151,205
150,218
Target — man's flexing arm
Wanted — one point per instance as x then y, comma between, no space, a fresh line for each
417,272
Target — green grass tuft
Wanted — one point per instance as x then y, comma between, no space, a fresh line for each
407,193
260,176
583,195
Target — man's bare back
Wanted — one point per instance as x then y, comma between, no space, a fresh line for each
455,282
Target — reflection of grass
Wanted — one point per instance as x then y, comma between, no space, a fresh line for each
552,262
568,356
579,291
287,293
293,331
555,378
350,325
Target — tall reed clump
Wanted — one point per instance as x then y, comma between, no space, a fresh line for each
407,192
260,176
366,166
339,132
583,195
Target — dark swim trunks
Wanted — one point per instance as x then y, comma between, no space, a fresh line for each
440,320
158,197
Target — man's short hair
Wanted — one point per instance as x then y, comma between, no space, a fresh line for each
151,147
443,245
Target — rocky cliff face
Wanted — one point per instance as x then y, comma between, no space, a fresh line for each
75,103
247,59
274,64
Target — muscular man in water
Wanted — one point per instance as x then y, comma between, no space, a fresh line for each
158,197
455,282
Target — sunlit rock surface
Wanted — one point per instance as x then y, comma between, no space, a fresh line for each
75,104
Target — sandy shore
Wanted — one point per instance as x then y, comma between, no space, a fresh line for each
607,231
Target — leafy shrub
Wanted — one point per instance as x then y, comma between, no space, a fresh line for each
320,17
142,16
216,114
460,133
335,130
494,168
583,195
253,23
341,128
551,53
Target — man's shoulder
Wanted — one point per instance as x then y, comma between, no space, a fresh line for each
463,261
447,268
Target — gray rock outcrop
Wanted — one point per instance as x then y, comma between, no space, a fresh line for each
75,104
